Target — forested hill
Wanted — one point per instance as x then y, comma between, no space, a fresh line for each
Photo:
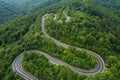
24,5
22,2
92,25
30,5
113,6
7,12
10,9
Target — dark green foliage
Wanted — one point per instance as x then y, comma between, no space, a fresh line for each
87,29
16,29
10,33
76,58
38,65
11,9
31,39
113,6
7,12
42,5
91,27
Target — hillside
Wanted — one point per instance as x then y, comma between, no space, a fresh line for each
24,5
86,26
112,6
7,12
11,9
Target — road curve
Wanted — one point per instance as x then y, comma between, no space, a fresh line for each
67,17
100,63
20,71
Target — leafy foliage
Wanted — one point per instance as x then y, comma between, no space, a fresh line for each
96,30
11,9
7,12
91,26
45,70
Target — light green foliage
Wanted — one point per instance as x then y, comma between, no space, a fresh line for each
45,70
91,26
101,76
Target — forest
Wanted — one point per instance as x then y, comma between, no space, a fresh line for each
93,25
7,12
11,9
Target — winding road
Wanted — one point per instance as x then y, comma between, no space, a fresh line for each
17,67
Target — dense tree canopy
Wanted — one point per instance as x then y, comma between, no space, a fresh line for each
93,25
7,12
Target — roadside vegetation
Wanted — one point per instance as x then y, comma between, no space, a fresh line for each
90,26
45,70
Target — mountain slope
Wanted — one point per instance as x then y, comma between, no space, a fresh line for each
24,5
7,12
90,26
10,9
112,6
